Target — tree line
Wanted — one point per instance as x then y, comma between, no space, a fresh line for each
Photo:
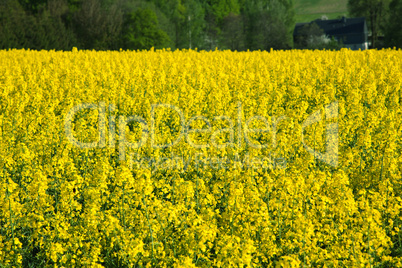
384,20
204,24
142,24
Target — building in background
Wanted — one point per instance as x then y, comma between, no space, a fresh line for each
350,32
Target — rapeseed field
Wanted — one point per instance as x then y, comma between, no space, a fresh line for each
190,158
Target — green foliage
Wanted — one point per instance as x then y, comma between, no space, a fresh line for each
323,42
97,27
307,32
376,13
222,8
141,31
233,32
33,6
393,30
311,36
269,24
19,29
177,24
139,24
166,24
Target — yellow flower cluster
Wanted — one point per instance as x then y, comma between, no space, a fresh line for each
201,159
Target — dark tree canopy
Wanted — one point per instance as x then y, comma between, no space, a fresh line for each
176,24
393,29
376,13
142,24
141,31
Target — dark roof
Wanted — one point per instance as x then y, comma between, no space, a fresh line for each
349,30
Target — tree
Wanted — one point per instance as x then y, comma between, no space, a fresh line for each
175,11
215,13
375,11
45,30
33,6
393,29
141,31
222,8
138,24
233,32
52,33
269,24
189,25
162,11
212,30
307,33
98,27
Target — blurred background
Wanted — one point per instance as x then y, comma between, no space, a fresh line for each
203,24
